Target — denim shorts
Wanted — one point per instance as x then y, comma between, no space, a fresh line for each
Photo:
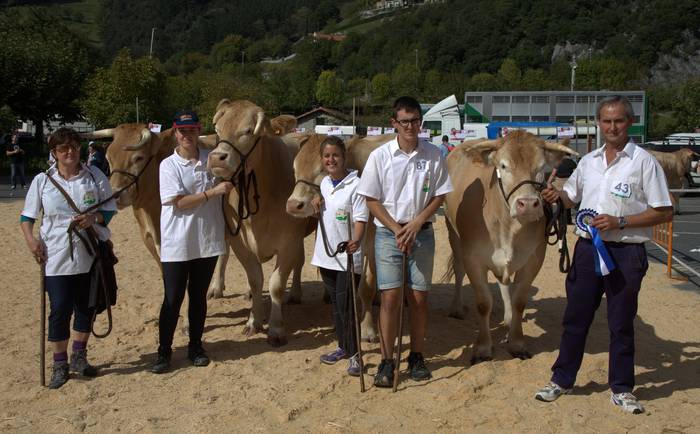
389,260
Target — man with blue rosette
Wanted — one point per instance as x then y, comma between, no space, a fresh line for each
622,192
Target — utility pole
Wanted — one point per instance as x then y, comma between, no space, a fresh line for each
573,71
150,51
242,59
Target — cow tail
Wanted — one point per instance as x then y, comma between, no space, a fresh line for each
450,271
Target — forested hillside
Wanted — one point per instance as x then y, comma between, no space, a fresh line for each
208,49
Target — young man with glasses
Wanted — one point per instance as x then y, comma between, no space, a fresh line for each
405,181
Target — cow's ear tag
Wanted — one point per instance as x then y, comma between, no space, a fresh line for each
498,173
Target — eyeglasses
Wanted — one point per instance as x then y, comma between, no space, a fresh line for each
63,149
406,122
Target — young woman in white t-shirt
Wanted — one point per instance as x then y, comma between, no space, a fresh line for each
341,207
192,238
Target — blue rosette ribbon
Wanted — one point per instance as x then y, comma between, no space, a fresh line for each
604,263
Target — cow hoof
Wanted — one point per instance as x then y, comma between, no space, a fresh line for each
276,341
478,359
522,354
250,331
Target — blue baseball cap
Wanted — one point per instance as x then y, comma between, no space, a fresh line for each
186,119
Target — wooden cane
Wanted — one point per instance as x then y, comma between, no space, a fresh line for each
42,334
358,331
397,357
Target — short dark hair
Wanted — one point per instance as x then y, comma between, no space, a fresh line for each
332,141
613,100
445,139
409,104
62,136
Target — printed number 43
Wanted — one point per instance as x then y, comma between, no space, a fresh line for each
622,188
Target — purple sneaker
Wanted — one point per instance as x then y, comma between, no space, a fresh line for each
333,357
354,366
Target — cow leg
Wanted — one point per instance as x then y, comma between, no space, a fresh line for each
483,348
276,335
218,279
506,296
366,293
295,291
521,291
254,273
457,309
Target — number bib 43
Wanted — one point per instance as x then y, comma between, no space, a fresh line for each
621,189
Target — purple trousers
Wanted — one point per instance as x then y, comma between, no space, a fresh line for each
584,291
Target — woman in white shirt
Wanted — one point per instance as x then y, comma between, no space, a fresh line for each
341,207
192,237
66,259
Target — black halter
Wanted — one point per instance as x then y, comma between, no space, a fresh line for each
242,183
134,179
555,220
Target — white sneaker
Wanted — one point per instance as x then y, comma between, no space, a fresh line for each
627,402
550,392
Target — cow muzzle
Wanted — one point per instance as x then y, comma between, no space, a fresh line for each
527,207
220,164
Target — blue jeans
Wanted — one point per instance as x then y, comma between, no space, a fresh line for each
389,260
17,171
68,295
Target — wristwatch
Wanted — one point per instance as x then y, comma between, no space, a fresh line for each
621,222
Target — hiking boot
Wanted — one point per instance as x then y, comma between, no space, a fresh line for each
417,368
59,375
333,357
550,392
79,364
627,402
162,364
197,355
385,374
354,366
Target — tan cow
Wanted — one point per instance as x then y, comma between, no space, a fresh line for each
309,170
496,226
246,143
676,167
134,156
283,124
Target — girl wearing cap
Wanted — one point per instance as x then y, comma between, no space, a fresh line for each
341,207
67,270
192,237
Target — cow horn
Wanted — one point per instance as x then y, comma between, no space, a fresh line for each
483,145
259,123
99,134
145,138
561,147
208,141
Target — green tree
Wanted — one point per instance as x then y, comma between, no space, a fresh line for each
381,87
329,89
433,85
687,107
483,81
405,79
535,79
509,75
42,70
228,51
111,93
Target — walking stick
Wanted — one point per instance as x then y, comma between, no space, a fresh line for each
42,340
356,318
397,357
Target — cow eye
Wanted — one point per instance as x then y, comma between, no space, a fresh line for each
138,159
503,166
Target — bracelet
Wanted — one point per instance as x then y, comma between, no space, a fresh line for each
205,196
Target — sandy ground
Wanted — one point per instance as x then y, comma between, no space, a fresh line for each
251,387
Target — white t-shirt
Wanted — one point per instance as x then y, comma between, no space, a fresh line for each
340,202
193,233
405,183
43,196
633,182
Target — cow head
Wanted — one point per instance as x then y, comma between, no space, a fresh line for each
519,157
308,173
239,125
283,124
686,158
132,147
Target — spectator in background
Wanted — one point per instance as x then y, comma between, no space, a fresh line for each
96,158
16,155
445,147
